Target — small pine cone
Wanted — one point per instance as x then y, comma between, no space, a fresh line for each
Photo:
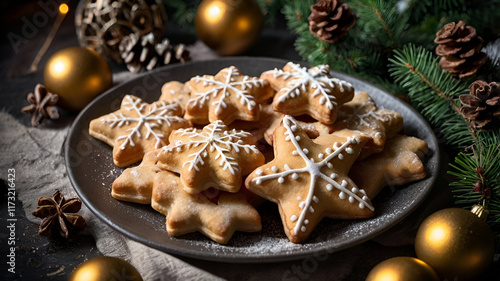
482,104
144,52
460,49
330,20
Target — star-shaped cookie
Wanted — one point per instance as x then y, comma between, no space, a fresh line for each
227,96
137,127
399,163
175,91
308,91
136,184
309,181
186,213
213,157
363,115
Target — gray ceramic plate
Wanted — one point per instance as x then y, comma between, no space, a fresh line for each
91,170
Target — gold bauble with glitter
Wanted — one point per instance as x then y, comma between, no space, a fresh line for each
402,269
104,269
229,27
456,243
77,75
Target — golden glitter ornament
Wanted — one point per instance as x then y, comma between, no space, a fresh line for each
77,75
402,269
229,27
104,269
456,243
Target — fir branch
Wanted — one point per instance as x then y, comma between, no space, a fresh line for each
433,91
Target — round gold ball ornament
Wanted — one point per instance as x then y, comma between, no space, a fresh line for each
456,243
77,75
104,269
402,269
229,27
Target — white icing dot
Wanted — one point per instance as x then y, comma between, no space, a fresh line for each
179,149
274,169
303,229
333,175
302,204
344,184
354,190
311,159
361,205
281,180
287,167
329,187
329,165
258,181
315,199
365,198
349,150
295,176
306,222
299,198
351,199
297,138
295,153
311,209
341,156
329,150
321,156
306,151
362,191
294,128
259,172
342,195
336,145
293,218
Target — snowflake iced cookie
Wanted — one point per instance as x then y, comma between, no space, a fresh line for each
362,114
136,184
186,213
175,91
213,157
308,91
399,163
227,96
137,127
309,181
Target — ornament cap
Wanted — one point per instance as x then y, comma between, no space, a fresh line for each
480,211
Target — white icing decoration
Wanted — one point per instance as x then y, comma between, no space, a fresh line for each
150,118
214,138
314,170
295,176
259,172
306,222
274,169
293,218
281,180
349,150
341,157
351,199
317,78
321,156
220,90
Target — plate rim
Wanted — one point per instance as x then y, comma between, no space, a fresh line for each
213,256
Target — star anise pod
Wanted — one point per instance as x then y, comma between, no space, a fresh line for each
58,211
482,104
42,105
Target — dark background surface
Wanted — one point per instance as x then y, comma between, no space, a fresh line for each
42,258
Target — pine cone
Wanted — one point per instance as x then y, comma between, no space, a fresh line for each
330,20
145,52
460,49
482,104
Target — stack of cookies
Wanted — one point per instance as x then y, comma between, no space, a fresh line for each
215,147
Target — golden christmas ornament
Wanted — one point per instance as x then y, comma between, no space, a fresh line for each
104,269
77,75
456,243
402,269
228,26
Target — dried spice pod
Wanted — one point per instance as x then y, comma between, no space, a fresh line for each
330,20
145,53
57,211
482,104
460,49
42,105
